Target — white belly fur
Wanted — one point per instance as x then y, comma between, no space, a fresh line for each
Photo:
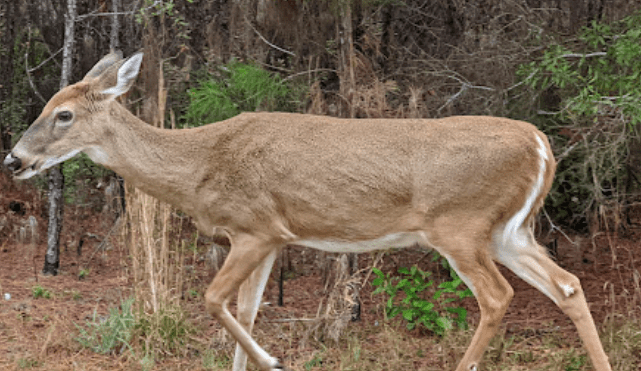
394,240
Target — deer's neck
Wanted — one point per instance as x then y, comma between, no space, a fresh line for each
162,163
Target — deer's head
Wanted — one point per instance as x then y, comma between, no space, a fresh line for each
72,121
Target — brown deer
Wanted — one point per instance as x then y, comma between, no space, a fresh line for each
466,186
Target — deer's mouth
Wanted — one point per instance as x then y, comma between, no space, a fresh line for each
18,168
26,172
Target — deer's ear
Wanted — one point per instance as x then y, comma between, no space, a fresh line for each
106,62
117,79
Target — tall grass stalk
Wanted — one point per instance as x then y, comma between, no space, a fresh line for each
157,265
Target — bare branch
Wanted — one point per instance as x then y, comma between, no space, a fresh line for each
45,61
267,42
28,71
589,55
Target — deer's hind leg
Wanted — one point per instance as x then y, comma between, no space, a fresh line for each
467,250
527,259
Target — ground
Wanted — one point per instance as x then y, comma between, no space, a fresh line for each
40,333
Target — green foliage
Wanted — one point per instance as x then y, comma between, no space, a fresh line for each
594,88
111,334
604,72
239,87
40,292
406,297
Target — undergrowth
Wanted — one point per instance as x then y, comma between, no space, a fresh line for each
147,336
109,334
589,104
414,297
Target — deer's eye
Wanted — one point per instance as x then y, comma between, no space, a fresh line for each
64,116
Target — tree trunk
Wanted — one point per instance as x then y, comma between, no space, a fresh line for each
348,86
6,66
114,43
56,179
56,203
346,42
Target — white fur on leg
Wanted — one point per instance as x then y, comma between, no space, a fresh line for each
240,357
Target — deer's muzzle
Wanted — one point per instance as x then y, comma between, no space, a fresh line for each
12,163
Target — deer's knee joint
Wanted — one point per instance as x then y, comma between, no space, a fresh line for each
214,304
245,321
569,287
509,294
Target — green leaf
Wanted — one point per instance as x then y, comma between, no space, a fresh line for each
378,281
444,323
408,314
378,272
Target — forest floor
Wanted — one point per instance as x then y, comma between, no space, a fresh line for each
40,333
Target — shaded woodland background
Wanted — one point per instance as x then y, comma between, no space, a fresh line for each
346,58
365,58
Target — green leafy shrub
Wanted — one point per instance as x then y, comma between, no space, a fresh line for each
239,87
590,105
407,298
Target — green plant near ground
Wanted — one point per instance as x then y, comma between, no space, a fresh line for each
590,105
316,361
83,273
407,297
25,363
165,332
622,342
110,334
237,88
40,292
211,361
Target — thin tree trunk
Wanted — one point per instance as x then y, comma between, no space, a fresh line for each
346,39
114,43
6,66
348,86
56,178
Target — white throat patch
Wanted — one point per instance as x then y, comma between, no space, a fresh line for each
52,161
97,155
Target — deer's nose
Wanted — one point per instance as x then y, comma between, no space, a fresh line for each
12,163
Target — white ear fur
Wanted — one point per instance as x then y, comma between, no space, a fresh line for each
126,74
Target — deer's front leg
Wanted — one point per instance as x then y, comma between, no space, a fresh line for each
247,254
249,298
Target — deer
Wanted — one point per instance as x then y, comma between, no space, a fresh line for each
469,187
